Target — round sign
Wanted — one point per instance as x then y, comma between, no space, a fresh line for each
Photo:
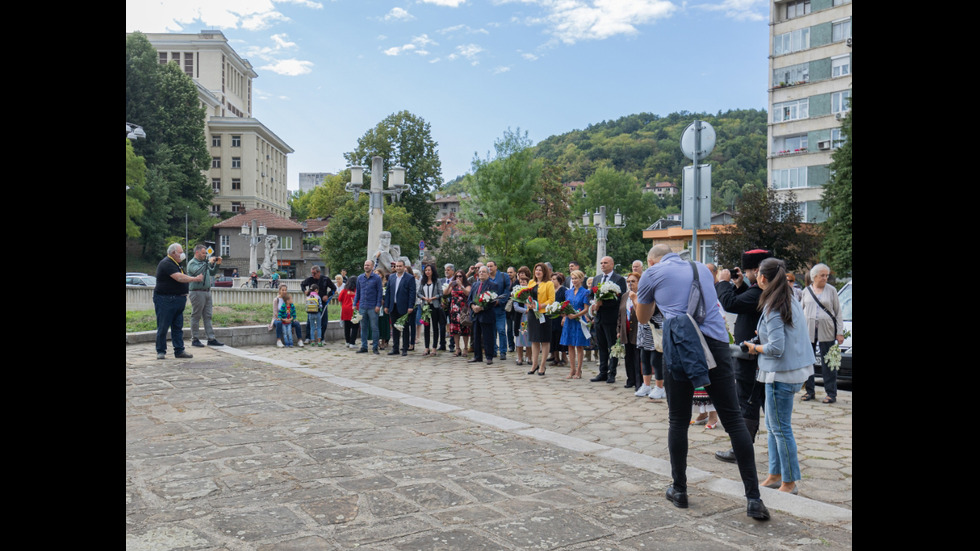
421,245
707,140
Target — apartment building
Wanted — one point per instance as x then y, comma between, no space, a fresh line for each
309,180
809,90
248,160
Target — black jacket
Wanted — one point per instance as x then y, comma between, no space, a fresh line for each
322,286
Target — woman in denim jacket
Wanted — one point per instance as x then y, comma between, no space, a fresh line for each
785,362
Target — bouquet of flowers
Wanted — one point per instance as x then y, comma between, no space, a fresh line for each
426,314
617,350
485,299
520,293
356,318
445,286
400,322
606,291
833,355
558,309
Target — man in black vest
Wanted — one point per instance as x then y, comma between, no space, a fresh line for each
742,298
606,315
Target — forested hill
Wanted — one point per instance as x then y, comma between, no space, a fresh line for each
648,146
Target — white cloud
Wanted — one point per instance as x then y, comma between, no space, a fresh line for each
289,67
159,16
468,51
574,20
740,10
280,40
502,69
416,44
461,27
399,14
530,57
447,3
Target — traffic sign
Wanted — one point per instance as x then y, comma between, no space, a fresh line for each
688,140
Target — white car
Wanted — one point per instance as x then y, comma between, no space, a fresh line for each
844,296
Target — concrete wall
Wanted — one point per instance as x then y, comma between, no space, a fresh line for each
250,335
141,298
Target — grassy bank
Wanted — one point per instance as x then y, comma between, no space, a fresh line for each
222,316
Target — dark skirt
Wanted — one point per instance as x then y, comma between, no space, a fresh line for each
537,331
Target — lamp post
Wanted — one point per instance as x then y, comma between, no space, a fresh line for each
256,234
133,132
396,186
601,228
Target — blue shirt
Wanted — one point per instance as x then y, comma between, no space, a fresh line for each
668,283
368,294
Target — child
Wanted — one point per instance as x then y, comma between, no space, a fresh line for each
287,315
313,305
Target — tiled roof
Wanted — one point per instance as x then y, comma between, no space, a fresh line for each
262,216
315,225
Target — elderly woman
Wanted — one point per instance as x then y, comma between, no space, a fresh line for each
785,362
824,325
626,327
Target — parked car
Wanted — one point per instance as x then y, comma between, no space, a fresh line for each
845,374
135,274
224,281
142,280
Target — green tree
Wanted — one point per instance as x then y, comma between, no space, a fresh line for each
299,204
503,196
836,200
458,252
403,139
326,198
763,221
345,245
136,194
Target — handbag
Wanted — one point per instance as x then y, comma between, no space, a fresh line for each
509,307
465,317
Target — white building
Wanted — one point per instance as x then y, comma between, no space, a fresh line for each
809,89
309,180
248,160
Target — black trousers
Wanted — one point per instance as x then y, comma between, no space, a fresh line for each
680,397
751,393
605,337
437,328
350,331
483,339
634,375
405,334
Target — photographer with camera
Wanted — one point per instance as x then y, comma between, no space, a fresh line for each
742,298
200,293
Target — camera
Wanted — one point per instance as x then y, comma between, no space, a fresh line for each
736,273
745,348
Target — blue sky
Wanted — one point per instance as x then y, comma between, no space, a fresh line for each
330,70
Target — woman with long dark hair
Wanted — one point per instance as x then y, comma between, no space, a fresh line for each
785,362
459,292
346,298
430,293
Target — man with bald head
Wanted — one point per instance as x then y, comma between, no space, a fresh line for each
606,315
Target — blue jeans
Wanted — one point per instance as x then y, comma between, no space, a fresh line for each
296,327
313,325
170,315
500,322
782,446
370,317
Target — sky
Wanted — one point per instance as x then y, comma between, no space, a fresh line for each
330,70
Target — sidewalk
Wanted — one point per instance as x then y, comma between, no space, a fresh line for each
322,448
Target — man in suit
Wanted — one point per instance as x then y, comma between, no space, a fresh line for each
606,315
400,300
572,266
502,282
484,319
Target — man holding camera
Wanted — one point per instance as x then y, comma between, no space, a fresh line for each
200,292
741,298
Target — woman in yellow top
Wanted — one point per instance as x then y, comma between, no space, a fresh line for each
539,333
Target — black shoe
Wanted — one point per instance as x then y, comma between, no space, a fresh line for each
441,349
533,372
183,355
197,343
629,385
214,342
728,456
404,352
393,353
364,351
611,380
598,378
489,362
679,499
757,510
474,360
375,351
511,349
503,357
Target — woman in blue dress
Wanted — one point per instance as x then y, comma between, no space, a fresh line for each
571,334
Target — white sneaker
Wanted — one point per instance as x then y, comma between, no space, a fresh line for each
301,344
643,391
658,393
280,344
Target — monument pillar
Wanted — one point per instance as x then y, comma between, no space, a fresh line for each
375,206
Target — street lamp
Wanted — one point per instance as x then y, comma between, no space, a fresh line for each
134,131
396,186
601,228
256,233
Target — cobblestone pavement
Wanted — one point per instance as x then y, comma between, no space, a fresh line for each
321,448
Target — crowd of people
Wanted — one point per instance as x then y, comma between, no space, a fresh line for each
664,319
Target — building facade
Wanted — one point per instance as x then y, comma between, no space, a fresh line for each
309,180
809,93
248,160
235,248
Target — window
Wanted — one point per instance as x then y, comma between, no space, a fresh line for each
215,162
285,243
790,144
189,64
216,185
839,101
236,207
791,110
236,141
797,9
789,178
236,162
794,74
224,246
236,183
215,210
836,138
707,253
163,58
792,41
216,141
840,66
841,30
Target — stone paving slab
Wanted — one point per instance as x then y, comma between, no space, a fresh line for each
228,451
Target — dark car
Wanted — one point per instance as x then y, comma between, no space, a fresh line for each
224,281
142,280
844,375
